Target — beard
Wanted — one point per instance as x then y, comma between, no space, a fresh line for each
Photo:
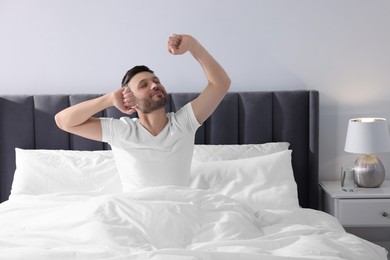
148,105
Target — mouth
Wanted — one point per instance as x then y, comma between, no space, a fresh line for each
158,93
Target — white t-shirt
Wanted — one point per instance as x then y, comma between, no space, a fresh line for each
145,160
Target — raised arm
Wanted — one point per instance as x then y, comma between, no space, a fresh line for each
218,81
79,120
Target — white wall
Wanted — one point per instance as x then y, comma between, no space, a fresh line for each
341,48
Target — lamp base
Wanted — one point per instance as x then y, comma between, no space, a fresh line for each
369,171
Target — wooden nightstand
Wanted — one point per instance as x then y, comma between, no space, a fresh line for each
364,212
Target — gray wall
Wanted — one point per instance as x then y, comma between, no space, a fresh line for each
341,48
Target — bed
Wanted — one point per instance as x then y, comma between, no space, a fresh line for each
253,192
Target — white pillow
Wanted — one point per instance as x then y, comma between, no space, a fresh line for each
265,182
50,171
208,153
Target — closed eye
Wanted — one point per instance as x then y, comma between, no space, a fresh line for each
142,84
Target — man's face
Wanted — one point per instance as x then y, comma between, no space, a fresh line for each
149,94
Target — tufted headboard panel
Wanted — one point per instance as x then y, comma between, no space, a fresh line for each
27,121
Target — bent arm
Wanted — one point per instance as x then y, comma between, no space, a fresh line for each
217,87
218,80
79,120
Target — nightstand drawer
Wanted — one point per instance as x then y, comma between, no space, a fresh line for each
364,212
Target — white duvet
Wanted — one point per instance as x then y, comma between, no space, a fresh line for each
169,223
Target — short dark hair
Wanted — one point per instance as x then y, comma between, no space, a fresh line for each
132,72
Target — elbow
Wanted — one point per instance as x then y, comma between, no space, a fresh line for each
223,85
227,83
58,118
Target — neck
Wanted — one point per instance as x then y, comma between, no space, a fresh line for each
154,122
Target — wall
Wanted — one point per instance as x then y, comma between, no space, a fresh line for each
341,48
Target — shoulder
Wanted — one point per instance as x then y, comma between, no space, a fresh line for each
185,117
121,121
118,125
184,111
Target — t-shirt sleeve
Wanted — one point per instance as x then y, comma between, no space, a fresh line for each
106,124
187,115
113,128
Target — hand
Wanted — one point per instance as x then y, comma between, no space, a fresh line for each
180,43
124,100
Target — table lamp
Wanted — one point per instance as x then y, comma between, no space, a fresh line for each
367,136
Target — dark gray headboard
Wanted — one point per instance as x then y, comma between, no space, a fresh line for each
26,121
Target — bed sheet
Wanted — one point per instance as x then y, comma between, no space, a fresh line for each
169,223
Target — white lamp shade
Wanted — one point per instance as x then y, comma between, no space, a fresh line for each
367,135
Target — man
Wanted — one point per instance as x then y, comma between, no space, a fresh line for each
157,148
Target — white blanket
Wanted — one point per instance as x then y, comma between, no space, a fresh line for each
169,223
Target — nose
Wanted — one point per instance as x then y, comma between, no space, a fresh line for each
154,85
